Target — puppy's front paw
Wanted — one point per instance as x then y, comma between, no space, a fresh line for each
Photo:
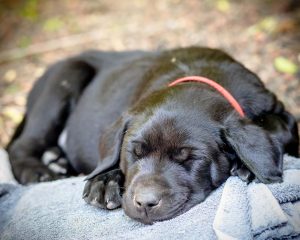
33,172
105,190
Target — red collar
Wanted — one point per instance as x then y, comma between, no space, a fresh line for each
216,86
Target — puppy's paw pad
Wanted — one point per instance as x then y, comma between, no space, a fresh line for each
45,177
104,190
41,173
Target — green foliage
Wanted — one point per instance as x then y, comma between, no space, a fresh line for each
24,42
12,89
30,10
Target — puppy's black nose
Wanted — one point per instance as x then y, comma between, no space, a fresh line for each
146,198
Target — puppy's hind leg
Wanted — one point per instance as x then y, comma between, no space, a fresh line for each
48,107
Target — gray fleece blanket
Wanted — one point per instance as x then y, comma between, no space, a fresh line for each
55,210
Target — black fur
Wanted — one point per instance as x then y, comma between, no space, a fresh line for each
164,148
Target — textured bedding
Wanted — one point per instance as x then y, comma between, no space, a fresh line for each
55,210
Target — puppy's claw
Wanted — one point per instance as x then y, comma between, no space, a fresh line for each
84,195
112,205
45,177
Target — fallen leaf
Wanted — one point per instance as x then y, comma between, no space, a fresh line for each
267,24
223,5
53,24
285,65
10,75
12,113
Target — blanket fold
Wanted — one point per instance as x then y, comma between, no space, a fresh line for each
270,211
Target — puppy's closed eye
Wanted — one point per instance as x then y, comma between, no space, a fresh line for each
140,149
181,154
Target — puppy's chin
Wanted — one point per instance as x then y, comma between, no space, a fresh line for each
149,219
168,212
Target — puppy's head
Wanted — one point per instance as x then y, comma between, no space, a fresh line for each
170,165
175,154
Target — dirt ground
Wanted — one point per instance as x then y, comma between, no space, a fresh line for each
262,34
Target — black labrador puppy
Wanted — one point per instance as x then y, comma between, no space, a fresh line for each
156,149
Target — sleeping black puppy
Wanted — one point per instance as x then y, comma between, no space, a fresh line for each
157,149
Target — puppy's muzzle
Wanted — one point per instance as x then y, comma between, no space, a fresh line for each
145,199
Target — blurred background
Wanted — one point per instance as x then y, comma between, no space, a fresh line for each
263,34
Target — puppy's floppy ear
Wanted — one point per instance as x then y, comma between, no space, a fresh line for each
256,149
110,146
